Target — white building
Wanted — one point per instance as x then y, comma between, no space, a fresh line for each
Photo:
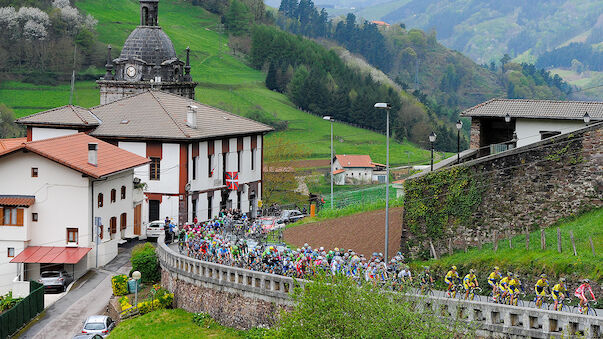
356,170
191,148
495,123
51,191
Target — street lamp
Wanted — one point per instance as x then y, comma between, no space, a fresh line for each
432,139
586,118
329,118
136,275
459,125
386,107
508,121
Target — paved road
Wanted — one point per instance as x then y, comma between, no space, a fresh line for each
88,296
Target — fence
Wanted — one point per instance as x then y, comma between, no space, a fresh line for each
12,320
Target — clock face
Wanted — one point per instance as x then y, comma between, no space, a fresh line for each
131,71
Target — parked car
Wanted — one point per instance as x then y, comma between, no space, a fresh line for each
289,216
155,229
98,324
271,223
58,280
87,336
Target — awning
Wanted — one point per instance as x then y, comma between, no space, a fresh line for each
51,255
341,170
17,200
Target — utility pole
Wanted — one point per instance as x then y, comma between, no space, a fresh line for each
73,75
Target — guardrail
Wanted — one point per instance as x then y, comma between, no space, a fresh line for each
487,318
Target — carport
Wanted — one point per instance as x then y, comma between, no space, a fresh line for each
49,258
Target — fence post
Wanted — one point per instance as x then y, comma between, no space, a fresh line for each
592,247
495,241
573,242
527,239
558,240
433,251
542,239
479,241
450,246
510,236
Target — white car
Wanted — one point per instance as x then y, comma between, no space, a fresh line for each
98,324
155,229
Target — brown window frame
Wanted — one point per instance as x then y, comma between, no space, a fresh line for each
34,172
75,231
123,192
113,225
123,221
155,169
210,173
8,252
113,195
34,217
253,151
100,199
19,216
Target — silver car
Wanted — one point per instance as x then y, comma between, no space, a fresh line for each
58,280
155,229
98,324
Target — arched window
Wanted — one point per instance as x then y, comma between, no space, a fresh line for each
100,200
113,225
123,220
123,192
113,195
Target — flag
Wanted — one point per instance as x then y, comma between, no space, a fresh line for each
232,180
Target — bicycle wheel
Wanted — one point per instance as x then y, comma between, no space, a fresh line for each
591,311
566,308
519,303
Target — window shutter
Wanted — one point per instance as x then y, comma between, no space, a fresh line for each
1,215
19,217
102,230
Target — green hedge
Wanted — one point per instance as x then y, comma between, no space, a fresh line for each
144,259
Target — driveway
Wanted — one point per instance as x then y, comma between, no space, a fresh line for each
89,295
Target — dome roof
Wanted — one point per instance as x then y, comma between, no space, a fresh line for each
150,44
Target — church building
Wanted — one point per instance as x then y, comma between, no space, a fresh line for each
202,159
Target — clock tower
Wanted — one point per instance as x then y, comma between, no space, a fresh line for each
147,61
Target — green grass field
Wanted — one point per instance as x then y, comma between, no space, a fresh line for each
536,261
176,323
225,81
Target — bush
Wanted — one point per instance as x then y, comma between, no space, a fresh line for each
144,260
119,283
7,301
125,303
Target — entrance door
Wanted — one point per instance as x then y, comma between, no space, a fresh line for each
137,217
153,210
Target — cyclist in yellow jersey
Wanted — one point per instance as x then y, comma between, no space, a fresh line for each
470,281
451,277
559,292
503,285
493,280
541,287
514,286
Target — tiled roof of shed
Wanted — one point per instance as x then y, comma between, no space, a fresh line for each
17,200
352,160
65,115
536,109
6,144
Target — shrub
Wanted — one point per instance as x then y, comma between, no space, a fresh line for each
144,260
119,283
125,303
148,306
7,301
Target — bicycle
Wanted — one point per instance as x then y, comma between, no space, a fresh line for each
516,300
427,289
589,308
562,305
472,295
453,290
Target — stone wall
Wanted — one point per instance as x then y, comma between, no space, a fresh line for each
529,187
475,134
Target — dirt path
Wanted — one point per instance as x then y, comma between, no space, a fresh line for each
364,232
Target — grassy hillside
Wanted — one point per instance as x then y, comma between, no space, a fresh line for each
225,80
535,261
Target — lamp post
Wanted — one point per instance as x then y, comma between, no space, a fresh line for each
136,275
508,121
432,139
459,125
329,118
387,107
586,118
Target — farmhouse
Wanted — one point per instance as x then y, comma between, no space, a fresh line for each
356,170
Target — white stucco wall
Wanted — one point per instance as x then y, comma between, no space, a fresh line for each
528,130
41,133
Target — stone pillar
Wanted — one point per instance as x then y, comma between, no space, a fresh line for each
475,133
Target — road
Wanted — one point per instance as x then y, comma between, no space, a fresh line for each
89,296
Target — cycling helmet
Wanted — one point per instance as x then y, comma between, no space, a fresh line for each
472,271
426,268
543,275
586,281
510,274
496,268
561,279
454,268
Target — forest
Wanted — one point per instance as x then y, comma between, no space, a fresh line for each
580,56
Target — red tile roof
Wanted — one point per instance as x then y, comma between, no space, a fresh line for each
51,255
380,23
341,170
348,160
6,144
72,151
17,200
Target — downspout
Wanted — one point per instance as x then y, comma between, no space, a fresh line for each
92,223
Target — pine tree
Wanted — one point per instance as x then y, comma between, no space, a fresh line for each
271,82
237,18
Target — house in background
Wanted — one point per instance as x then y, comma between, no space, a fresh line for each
499,124
51,192
356,170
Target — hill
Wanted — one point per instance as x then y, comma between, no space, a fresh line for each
225,81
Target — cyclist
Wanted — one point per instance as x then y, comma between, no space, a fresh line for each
541,288
503,285
581,294
493,280
405,274
451,277
514,286
426,278
470,282
559,292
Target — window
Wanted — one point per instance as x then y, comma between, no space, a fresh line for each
34,172
209,201
34,217
11,216
113,224
123,220
194,209
11,252
240,161
113,195
548,134
100,200
72,235
123,192
224,158
253,151
195,168
210,168
155,169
